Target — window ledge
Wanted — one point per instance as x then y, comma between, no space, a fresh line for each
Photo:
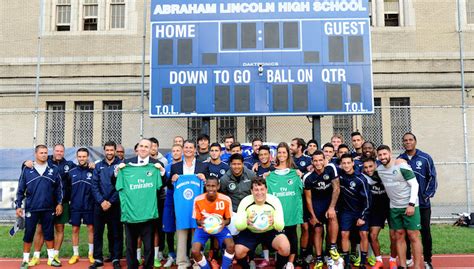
391,29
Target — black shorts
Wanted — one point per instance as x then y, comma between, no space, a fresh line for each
378,216
251,240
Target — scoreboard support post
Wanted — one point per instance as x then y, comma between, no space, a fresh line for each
316,121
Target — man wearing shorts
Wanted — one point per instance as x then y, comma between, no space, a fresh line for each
402,190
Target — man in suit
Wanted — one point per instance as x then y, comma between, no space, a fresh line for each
144,230
188,166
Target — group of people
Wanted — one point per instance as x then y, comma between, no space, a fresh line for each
200,191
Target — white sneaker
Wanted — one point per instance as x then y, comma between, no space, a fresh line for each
160,256
428,265
252,264
169,262
289,265
410,263
309,259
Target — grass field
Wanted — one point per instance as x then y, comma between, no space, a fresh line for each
446,240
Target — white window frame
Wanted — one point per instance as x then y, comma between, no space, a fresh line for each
110,7
463,14
63,4
406,13
86,4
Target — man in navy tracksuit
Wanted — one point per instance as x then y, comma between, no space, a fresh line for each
42,187
82,203
422,165
107,207
355,201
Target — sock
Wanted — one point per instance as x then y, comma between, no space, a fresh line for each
379,258
139,253
203,263
266,254
319,258
50,254
363,257
91,248
75,250
392,259
227,260
36,254
333,246
345,255
172,255
244,263
56,253
157,249
26,257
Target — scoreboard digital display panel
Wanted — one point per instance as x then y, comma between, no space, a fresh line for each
250,58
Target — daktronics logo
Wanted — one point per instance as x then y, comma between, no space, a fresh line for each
339,5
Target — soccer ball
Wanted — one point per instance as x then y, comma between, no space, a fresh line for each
212,224
260,218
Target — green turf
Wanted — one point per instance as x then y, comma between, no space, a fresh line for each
446,240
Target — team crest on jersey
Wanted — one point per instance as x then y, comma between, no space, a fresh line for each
302,163
290,182
115,167
50,172
89,175
232,186
418,164
353,184
188,194
149,173
395,172
222,171
326,177
66,167
28,214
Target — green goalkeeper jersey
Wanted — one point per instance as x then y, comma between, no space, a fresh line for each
137,186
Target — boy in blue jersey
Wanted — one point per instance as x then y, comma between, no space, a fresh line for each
252,159
357,141
82,203
265,163
355,203
42,188
225,155
321,193
217,167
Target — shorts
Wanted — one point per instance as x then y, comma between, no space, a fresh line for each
86,217
201,236
290,232
306,215
398,220
320,207
348,221
378,216
45,218
65,216
251,240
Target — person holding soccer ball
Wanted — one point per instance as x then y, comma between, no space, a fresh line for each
212,211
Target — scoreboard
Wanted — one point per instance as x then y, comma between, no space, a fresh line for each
250,58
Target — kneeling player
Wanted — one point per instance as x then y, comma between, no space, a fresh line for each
212,211
321,192
260,220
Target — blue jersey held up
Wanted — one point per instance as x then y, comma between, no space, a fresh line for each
42,192
186,188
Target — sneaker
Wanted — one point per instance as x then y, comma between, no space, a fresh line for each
318,265
263,263
215,264
298,261
34,261
409,262
309,259
157,263
334,254
74,259
96,265
116,264
54,262
252,264
289,265
377,265
392,265
91,258
355,260
371,260
24,265
428,265
169,262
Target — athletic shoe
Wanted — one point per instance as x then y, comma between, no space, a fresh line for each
96,265
169,262
56,258
214,264
157,263
334,254
309,258
140,262
34,261
263,263
74,259
355,260
371,260
91,258
377,265
24,265
252,264
392,265
428,265
318,265
289,265
409,262
116,264
54,262
298,261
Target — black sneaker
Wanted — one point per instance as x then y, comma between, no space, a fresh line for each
298,262
116,264
97,265
428,265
